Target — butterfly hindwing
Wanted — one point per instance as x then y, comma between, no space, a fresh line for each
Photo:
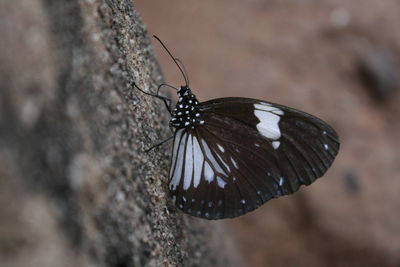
197,181
247,152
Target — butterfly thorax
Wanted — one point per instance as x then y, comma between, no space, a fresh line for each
186,113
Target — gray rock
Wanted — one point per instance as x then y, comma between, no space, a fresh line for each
76,187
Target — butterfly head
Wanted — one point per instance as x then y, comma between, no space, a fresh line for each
184,91
186,113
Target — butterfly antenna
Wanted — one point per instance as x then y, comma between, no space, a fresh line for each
175,60
184,69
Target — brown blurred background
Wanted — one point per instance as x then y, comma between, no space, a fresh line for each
336,59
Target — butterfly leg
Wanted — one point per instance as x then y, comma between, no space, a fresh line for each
164,84
166,100
171,128
159,144
158,93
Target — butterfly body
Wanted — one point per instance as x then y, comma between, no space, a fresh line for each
231,155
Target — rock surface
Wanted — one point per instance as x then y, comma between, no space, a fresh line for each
76,187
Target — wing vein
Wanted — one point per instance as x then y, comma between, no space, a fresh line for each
237,187
228,148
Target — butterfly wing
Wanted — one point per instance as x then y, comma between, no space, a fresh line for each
247,152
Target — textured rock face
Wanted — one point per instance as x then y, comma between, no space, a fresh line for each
76,187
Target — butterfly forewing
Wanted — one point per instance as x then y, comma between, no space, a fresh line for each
246,152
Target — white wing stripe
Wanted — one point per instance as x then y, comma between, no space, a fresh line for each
211,158
174,156
190,161
198,162
188,164
234,163
180,157
208,173
223,162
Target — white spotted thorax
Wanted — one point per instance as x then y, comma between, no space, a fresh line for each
186,113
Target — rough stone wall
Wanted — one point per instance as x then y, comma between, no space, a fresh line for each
76,187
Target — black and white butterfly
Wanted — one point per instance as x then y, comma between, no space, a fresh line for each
231,155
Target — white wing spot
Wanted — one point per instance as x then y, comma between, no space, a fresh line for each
268,125
265,104
281,181
326,146
278,112
257,145
276,144
269,108
243,201
221,183
221,148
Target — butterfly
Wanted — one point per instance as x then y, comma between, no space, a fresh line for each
231,155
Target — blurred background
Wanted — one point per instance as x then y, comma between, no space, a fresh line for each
336,59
